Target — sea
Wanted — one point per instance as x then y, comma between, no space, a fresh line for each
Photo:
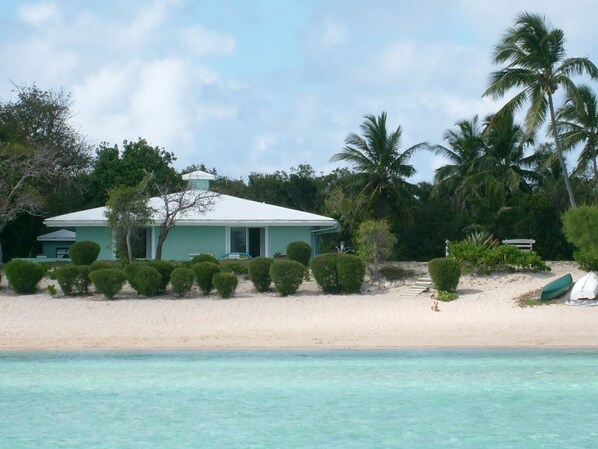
411,399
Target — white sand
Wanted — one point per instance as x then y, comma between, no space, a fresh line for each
484,315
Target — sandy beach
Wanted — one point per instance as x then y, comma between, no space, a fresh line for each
385,316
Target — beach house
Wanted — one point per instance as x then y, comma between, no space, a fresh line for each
232,225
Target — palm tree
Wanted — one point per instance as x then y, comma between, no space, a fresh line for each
577,122
505,158
535,58
466,147
379,167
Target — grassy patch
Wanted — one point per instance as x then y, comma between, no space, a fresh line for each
444,296
532,299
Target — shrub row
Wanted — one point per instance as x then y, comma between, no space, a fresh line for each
482,259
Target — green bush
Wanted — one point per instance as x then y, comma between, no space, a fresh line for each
84,252
131,271
287,276
147,280
483,259
323,267
445,273
226,284
204,272
586,261
338,272
181,281
113,264
235,267
259,273
300,252
165,269
350,271
580,225
73,279
108,281
204,258
445,296
23,275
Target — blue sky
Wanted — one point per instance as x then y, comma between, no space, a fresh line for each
257,85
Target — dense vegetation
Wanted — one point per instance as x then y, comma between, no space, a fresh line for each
499,176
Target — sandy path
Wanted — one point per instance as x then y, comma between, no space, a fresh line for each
484,315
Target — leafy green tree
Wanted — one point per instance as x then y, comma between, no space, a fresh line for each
375,243
40,152
113,167
127,211
379,167
580,225
535,57
578,126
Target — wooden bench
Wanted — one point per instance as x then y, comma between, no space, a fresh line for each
522,244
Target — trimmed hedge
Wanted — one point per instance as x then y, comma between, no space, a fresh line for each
483,260
351,272
338,272
287,276
259,273
131,271
108,281
23,275
181,281
445,273
226,284
204,272
84,252
73,279
147,280
204,258
300,252
165,269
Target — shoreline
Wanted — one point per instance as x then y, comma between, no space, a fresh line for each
484,317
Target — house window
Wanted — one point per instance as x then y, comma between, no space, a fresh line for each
238,240
61,253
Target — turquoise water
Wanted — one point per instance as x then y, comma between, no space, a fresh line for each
294,399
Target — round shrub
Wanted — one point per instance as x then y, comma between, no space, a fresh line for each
259,273
204,272
84,252
350,271
226,284
300,252
23,275
108,281
98,264
131,271
73,279
147,280
287,276
204,258
165,269
181,281
323,267
445,273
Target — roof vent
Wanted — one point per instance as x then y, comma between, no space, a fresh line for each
199,180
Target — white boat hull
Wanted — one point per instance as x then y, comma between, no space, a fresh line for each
586,287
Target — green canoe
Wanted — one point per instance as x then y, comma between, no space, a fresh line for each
556,288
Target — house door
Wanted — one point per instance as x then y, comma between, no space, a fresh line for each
256,241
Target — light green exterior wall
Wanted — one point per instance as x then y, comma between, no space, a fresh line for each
102,235
49,248
280,236
184,240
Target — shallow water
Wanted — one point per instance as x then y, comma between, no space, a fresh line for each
300,399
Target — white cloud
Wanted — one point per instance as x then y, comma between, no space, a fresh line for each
203,41
35,14
333,34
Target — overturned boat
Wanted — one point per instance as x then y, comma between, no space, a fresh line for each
586,287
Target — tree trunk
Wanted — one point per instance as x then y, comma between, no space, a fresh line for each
557,144
161,240
129,246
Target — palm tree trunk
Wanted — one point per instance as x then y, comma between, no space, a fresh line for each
559,152
129,245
